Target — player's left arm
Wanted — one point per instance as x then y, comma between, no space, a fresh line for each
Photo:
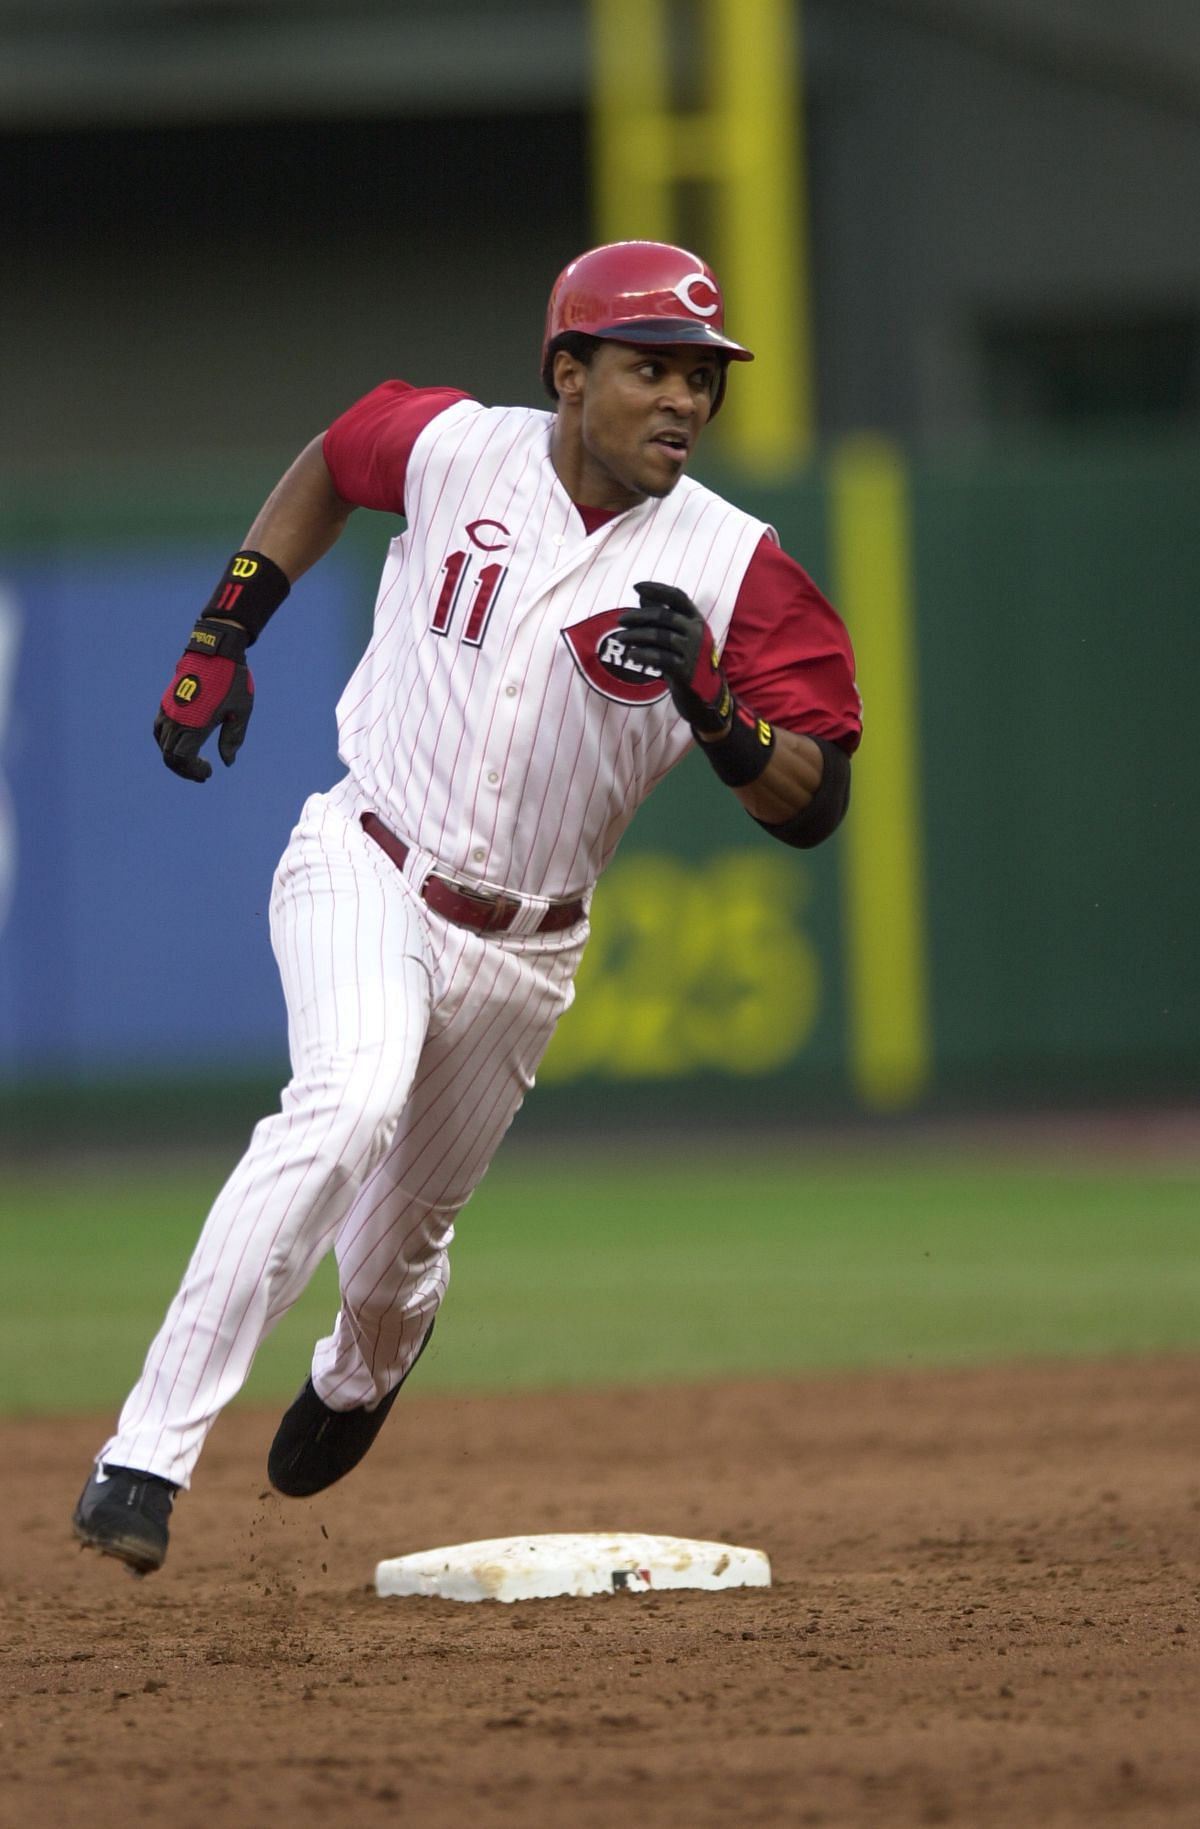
794,782
803,794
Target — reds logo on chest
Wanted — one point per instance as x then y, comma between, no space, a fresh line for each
608,665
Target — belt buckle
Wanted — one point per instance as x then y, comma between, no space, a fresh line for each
490,913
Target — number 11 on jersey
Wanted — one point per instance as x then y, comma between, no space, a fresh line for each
487,589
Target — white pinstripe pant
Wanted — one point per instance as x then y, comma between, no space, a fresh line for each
413,1044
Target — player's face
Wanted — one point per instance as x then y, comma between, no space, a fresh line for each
641,411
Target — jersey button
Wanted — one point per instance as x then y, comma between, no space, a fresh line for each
510,692
479,855
493,777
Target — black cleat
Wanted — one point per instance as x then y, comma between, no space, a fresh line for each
125,1515
314,1445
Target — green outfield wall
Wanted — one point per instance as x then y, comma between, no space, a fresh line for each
1009,914
1010,911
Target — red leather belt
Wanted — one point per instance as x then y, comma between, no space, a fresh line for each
485,914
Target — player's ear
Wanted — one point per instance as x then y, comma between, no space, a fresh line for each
569,376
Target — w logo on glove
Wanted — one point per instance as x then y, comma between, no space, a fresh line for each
212,687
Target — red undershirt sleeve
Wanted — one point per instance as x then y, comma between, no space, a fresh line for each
788,655
368,447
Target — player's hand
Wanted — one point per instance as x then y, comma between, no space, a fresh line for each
212,686
669,633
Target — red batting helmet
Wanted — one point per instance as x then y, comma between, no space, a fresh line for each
640,292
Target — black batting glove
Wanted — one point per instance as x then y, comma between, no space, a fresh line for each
212,688
669,634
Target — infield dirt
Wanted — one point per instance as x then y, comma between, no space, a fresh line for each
985,1613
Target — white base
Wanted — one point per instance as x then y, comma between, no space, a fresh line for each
583,1562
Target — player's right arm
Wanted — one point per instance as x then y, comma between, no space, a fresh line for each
213,688
301,518
361,461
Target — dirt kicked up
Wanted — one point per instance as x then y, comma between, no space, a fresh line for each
986,1612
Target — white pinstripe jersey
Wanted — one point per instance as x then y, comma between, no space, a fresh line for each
492,721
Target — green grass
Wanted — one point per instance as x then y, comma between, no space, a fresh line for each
575,1269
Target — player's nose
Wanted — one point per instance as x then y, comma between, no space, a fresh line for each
676,396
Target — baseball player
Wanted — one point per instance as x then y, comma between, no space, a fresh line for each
566,614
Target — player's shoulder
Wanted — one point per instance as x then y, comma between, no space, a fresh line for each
467,403
701,501
466,413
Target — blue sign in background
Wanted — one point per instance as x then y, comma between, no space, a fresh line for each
136,936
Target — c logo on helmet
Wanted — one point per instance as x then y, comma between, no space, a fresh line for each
686,287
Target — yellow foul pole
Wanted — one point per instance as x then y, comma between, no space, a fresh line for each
734,155
739,153
631,156
890,1043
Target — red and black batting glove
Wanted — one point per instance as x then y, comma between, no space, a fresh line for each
669,634
212,687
